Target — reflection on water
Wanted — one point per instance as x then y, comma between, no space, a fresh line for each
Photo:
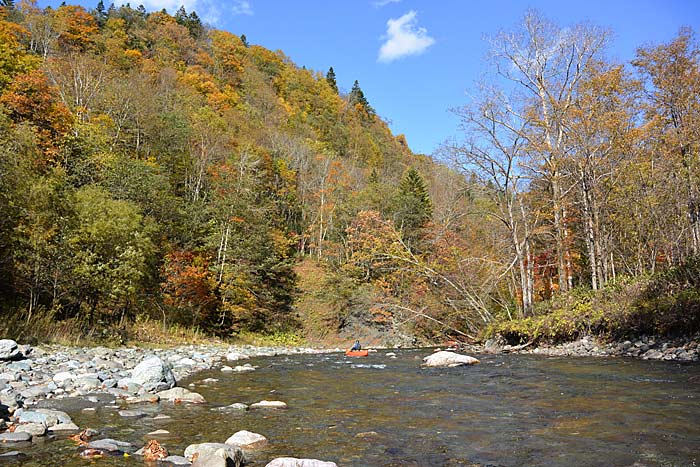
509,411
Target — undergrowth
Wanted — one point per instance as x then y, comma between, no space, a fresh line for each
664,304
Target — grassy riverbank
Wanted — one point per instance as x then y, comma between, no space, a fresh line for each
664,304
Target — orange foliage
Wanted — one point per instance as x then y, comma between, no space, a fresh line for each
77,26
30,98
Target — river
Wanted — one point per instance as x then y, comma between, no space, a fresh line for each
511,410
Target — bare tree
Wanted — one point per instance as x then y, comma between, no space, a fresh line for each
546,63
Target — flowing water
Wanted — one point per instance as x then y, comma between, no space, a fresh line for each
511,410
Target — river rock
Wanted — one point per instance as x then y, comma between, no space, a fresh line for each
153,372
236,407
181,395
132,413
233,356
110,445
243,368
175,461
9,349
294,462
31,416
494,345
448,359
247,440
16,437
214,455
62,376
269,405
34,429
64,428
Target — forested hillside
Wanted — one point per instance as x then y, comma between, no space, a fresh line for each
153,168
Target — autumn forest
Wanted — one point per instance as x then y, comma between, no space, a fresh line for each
157,172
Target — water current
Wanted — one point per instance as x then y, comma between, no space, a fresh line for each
511,410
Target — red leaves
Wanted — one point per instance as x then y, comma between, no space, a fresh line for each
188,281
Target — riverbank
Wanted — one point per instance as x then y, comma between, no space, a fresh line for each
29,374
685,349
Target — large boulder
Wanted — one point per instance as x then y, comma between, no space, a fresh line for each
247,440
153,373
9,349
294,462
214,455
448,359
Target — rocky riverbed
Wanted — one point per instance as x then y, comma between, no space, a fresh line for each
129,376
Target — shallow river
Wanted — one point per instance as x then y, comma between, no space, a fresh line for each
508,411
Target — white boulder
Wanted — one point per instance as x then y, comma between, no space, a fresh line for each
444,358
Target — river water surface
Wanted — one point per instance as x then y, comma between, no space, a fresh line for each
511,410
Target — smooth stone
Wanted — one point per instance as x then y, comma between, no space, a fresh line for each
19,366
448,359
243,368
8,377
153,371
142,399
247,440
162,417
132,413
181,395
269,405
233,407
367,434
12,454
233,356
16,437
219,459
34,429
174,461
226,369
158,433
63,376
61,416
294,462
64,427
212,452
30,416
111,445
8,349
88,383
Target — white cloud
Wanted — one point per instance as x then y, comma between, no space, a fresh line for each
381,3
211,11
404,37
242,7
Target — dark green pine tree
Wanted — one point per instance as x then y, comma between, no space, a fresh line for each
357,97
100,13
245,41
330,77
412,207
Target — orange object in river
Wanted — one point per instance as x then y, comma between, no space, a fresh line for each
357,353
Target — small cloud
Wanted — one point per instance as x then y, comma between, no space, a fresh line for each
404,37
242,7
381,3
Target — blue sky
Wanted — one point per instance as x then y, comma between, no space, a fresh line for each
416,59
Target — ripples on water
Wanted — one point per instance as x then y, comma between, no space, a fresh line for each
508,411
